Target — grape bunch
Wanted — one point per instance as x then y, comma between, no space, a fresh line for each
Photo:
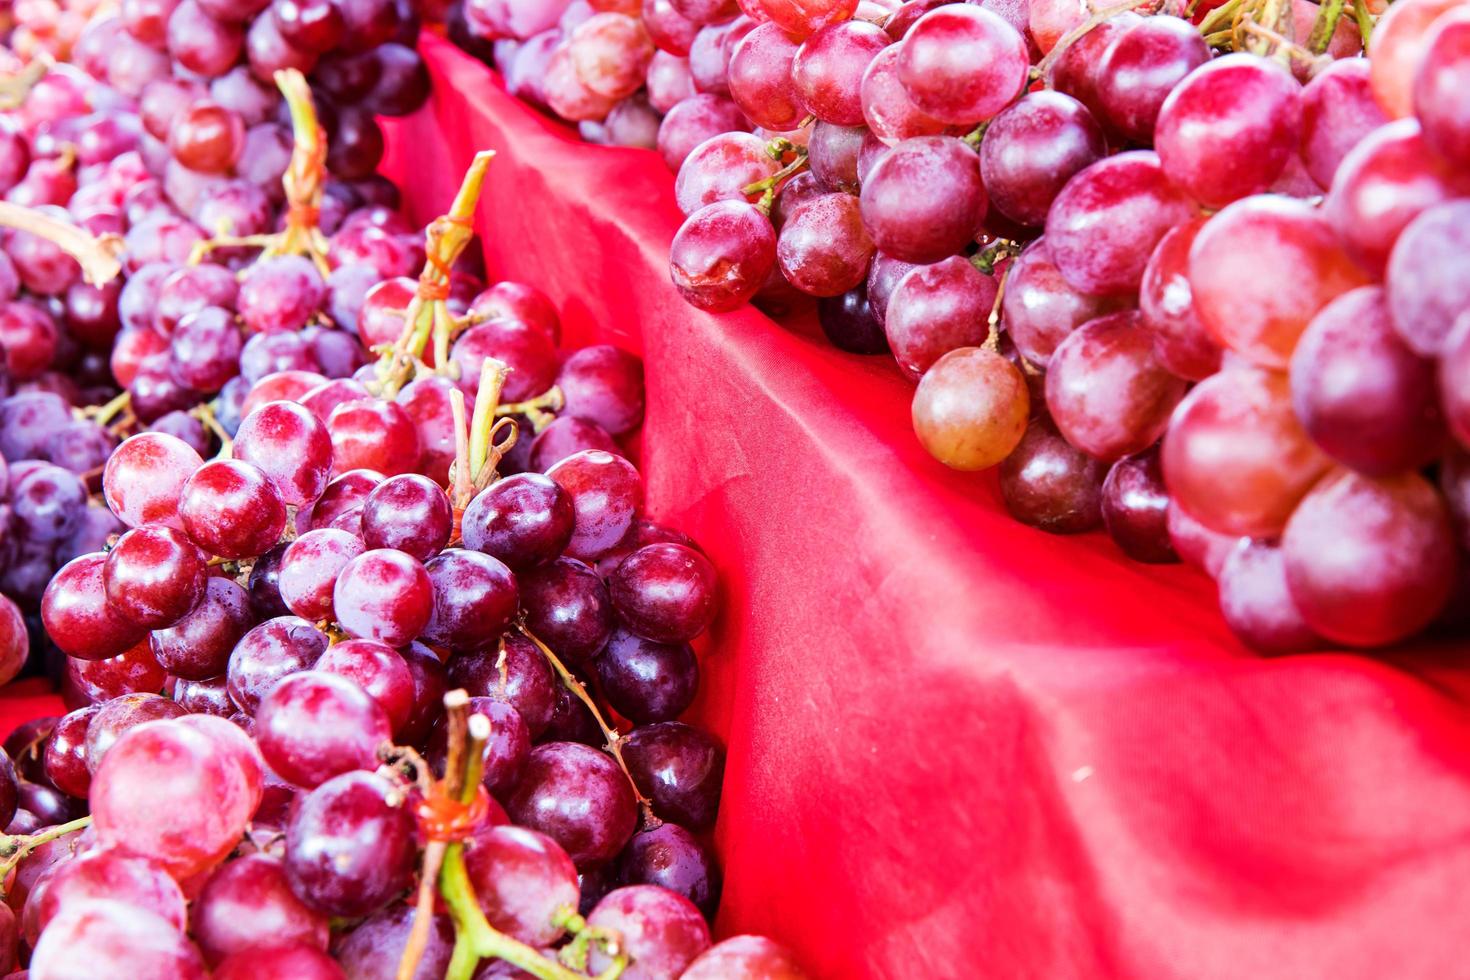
1192,278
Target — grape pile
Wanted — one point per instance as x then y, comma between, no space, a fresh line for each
1194,279
372,659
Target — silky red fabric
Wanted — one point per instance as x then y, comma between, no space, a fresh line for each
959,747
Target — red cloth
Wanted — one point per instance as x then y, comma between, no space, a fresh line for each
959,746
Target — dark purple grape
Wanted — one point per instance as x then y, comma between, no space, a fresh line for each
680,768
579,798
645,681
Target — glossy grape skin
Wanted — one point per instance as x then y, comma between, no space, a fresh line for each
154,576
1236,458
101,937
720,168
962,64
374,435
935,309
606,493
1048,483
379,670
383,595
350,845
662,932
524,520
522,879
1107,392
1135,507
1370,561
340,505
721,255
760,78
267,653
197,804
1338,111
646,681
970,409
1401,39
823,248
828,70
121,714
205,349
566,435
1032,148
1166,300
78,616
680,768
670,857
924,199
568,607
410,513
1108,219
744,958
694,120
1361,393
1439,81
105,873
1256,603
314,725
372,950
1040,308
524,349
1383,183
1141,67
579,798
887,109
475,599
97,680
296,960
66,753
1227,130
1287,252
309,570
144,477
231,509
291,446
280,294
516,674
665,592
210,696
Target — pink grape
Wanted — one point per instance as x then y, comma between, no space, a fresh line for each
291,446
1427,287
970,408
962,64
828,70
103,937
1401,40
1383,183
1236,458
1256,601
231,509
887,108
314,725
1166,300
1227,130
1338,111
144,477
1106,222
721,255
1370,561
383,595
1141,67
662,930
760,78
720,169
805,17
824,248
924,199
1032,148
1362,395
1261,269
744,956
1040,308
1107,392
935,309
522,880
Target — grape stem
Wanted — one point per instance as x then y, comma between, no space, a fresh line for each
1365,22
1100,16
106,412
303,181
16,848
16,87
1284,46
539,411
204,412
427,315
768,186
475,939
611,735
1222,15
1324,26
98,257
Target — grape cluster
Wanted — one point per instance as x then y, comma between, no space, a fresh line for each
342,565
1194,280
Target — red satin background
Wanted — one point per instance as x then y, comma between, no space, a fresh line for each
959,747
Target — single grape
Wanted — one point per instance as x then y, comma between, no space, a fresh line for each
1236,458
1135,507
154,576
970,408
373,949
350,845
1107,392
267,653
1338,111
824,248
606,493
1032,148
1370,561
143,479
744,956
938,308
760,78
721,255
1261,269
962,64
1362,395
1257,604
78,616
102,937
314,725
231,509
924,199
290,446
828,70
1401,40
1050,484
579,798
887,109
680,768
1139,69
646,681
383,595
522,880
1166,300
475,599
662,931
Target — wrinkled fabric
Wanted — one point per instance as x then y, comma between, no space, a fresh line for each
960,747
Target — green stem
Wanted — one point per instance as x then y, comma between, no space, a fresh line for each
768,186
1324,26
487,399
1365,22
98,257
15,849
